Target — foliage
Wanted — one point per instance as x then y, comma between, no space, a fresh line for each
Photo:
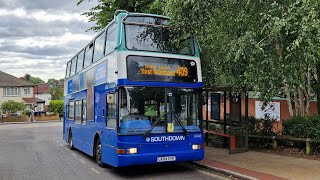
56,88
302,127
27,112
53,81
12,106
56,106
267,46
56,92
263,127
103,13
33,80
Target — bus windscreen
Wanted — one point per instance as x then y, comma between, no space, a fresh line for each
144,68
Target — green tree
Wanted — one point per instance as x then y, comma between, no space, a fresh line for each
33,80
12,106
56,106
268,46
53,81
56,92
27,76
56,88
103,13
36,80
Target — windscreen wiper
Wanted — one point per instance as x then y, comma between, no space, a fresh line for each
154,125
180,124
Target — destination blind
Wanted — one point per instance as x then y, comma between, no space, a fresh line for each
144,68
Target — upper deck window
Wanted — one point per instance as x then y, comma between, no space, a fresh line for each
150,34
111,39
73,66
80,61
88,55
99,47
68,69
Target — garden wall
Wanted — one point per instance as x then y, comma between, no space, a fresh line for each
47,118
23,118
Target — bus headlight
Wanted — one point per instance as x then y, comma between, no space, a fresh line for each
132,151
196,146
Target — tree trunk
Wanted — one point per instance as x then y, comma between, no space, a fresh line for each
308,92
318,89
296,104
301,105
286,90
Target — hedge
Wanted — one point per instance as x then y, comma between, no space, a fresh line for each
56,106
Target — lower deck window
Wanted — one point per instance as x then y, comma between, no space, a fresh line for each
71,110
78,111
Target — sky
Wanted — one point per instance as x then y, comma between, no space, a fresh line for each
38,37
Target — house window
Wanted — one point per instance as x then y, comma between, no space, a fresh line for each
26,90
11,91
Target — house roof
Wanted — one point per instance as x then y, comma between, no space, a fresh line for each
41,89
33,100
7,80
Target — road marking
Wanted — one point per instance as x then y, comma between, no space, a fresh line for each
67,149
73,154
60,144
57,141
94,170
82,161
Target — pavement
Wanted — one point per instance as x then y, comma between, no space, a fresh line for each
258,165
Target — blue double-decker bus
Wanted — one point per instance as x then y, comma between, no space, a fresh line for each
133,94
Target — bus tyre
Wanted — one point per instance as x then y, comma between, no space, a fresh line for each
98,153
71,141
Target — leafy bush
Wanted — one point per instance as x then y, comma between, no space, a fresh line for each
263,127
12,106
302,127
27,112
56,106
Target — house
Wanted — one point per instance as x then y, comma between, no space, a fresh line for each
41,91
16,89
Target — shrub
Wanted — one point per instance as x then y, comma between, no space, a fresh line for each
27,112
56,106
12,106
302,127
263,127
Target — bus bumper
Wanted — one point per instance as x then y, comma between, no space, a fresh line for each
142,159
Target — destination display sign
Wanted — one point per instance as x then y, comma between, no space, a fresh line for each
143,68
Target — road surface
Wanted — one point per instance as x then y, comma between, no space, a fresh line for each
37,151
